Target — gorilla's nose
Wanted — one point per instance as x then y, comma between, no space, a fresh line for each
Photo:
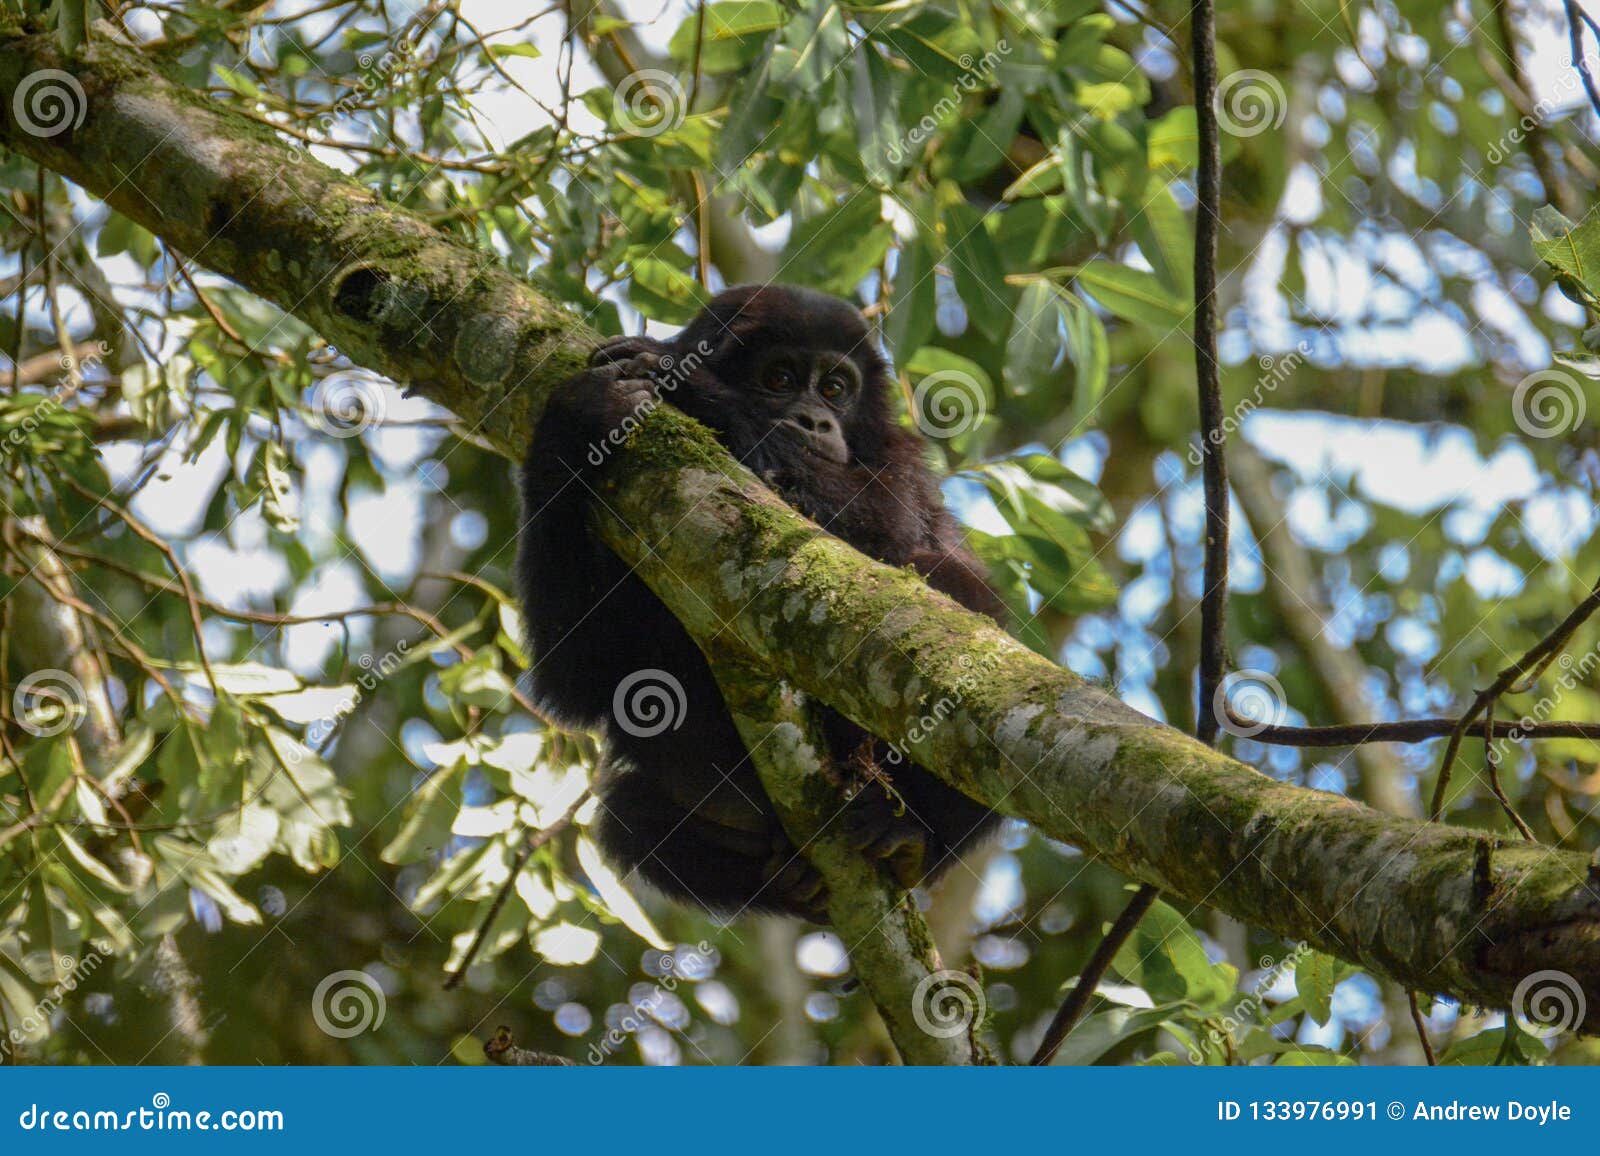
822,426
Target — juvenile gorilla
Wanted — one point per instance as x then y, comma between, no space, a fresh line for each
790,383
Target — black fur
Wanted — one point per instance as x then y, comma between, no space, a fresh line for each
684,808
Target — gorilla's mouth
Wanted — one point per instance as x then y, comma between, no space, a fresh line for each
830,448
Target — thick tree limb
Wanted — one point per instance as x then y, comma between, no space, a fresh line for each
889,943
1437,907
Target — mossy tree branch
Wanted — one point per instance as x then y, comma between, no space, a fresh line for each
888,941
1436,907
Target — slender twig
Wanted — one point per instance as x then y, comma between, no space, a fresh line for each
1519,673
1577,18
1537,136
160,544
1419,730
1072,1008
1491,765
699,50
1422,1029
533,841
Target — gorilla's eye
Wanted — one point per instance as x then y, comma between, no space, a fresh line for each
780,381
831,388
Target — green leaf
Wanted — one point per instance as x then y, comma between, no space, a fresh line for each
835,249
1091,357
731,37
1315,977
567,944
1174,141
1165,957
1034,345
478,681
1573,251
309,801
1135,295
975,262
616,897
912,304
936,44
1043,479
663,293
530,51
1099,1033
1164,238
244,839
429,815
877,126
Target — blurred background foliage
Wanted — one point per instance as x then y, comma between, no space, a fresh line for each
267,774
